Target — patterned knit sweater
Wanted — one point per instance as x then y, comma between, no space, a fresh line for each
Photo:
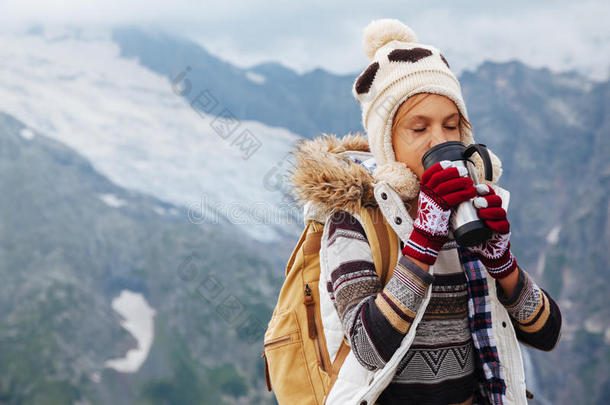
440,366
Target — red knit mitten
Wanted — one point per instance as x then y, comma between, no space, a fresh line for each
442,186
494,253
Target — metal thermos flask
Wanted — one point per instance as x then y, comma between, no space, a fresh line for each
468,229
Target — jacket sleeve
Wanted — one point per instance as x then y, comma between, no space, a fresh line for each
534,314
374,318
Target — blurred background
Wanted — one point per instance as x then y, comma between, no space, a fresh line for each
145,216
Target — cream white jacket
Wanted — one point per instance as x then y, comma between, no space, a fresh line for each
357,385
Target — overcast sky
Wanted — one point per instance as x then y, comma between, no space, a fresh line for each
560,35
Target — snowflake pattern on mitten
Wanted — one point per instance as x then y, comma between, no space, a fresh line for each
430,229
494,247
431,218
495,254
442,186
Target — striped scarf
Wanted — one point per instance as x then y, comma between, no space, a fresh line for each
479,317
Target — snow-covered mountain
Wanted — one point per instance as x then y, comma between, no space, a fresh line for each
113,100
105,291
137,129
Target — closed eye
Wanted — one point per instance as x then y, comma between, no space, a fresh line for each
423,129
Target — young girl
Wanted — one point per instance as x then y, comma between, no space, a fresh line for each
446,323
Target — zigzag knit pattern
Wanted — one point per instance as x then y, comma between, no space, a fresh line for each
441,365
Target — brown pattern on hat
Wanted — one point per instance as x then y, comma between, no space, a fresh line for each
408,55
445,60
363,85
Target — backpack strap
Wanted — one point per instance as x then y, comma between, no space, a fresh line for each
336,366
307,241
384,247
383,241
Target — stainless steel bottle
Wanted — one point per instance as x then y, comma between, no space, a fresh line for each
468,229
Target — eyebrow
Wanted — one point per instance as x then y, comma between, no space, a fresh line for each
414,117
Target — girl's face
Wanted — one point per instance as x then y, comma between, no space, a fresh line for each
434,120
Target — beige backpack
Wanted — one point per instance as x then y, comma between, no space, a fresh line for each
297,363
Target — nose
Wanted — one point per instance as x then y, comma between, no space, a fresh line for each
438,136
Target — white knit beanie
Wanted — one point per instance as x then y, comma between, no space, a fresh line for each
400,67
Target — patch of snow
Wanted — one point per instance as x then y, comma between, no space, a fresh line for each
139,321
501,83
593,326
112,200
561,108
27,133
136,129
553,236
256,77
159,210
96,377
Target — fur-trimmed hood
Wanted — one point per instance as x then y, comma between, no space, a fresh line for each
324,175
340,173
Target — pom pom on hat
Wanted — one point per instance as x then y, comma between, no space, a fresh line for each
380,32
399,68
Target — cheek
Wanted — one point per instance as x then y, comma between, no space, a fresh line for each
417,147
410,150
413,144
